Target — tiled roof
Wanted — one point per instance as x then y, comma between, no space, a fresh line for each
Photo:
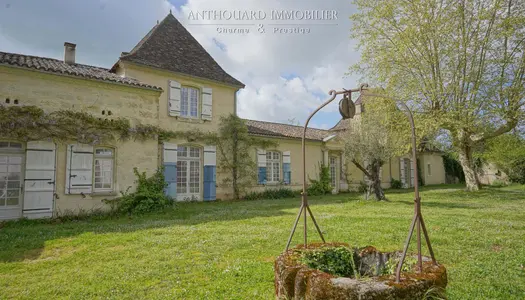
358,100
341,125
60,67
171,47
284,130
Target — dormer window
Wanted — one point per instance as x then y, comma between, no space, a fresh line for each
189,102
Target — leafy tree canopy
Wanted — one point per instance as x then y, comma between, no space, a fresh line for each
460,62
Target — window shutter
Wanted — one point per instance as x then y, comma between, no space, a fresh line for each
261,166
207,103
402,171
209,173
343,184
287,171
169,157
174,98
79,169
39,183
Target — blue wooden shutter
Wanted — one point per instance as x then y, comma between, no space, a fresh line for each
261,166
170,169
210,175
287,170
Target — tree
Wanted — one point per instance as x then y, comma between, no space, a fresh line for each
460,61
234,146
507,151
375,136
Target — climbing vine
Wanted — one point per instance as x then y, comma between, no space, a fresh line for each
27,123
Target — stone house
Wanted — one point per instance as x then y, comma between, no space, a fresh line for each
168,80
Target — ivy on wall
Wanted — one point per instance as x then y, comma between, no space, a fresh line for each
31,123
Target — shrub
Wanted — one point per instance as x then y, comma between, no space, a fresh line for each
321,186
363,187
396,184
391,265
517,171
498,183
277,193
337,261
453,167
149,195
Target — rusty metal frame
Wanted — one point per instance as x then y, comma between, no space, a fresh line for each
305,207
417,219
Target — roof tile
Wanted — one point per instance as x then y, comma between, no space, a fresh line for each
284,130
60,67
169,46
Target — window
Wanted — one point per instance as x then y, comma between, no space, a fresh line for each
104,161
333,171
188,170
10,180
189,102
273,166
10,145
429,170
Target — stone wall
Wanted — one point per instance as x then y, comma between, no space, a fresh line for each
54,92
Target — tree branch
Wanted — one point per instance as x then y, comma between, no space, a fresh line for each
358,165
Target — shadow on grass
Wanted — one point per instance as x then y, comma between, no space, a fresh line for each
25,239
442,204
461,198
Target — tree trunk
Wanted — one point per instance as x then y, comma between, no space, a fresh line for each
467,163
374,185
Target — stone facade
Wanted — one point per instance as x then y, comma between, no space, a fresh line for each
52,92
143,93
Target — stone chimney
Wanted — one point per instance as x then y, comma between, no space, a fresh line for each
69,53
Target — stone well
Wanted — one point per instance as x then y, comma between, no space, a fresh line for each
295,280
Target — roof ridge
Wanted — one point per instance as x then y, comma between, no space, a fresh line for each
300,126
147,36
170,46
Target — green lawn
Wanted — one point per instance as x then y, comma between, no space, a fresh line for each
225,250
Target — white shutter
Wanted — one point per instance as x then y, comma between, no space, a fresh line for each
207,103
210,156
39,183
402,171
169,153
79,169
174,98
411,172
343,184
287,157
261,158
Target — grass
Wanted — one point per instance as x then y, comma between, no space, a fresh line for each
225,250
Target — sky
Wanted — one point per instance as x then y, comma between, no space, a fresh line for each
287,75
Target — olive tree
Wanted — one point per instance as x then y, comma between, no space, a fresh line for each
375,136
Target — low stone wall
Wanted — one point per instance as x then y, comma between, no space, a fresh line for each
294,280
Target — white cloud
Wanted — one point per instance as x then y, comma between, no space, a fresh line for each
319,59
102,29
